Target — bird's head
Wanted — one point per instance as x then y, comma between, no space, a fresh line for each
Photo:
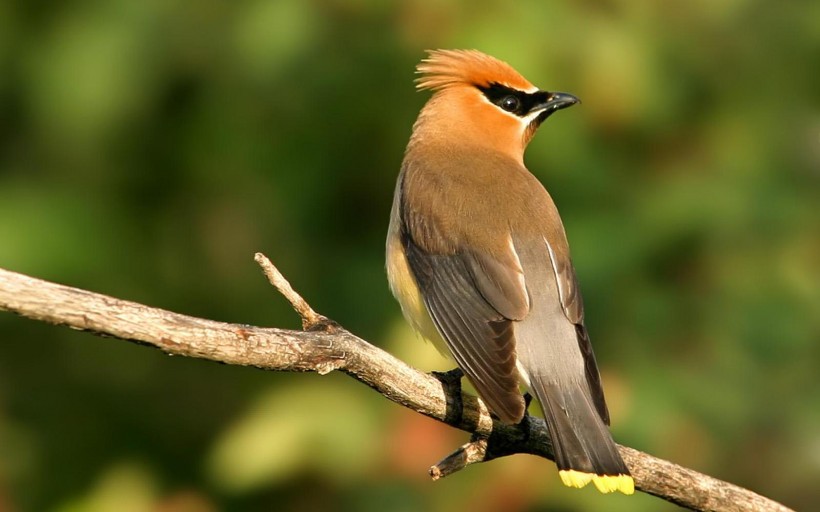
480,99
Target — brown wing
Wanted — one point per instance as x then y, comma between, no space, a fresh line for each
472,299
478,335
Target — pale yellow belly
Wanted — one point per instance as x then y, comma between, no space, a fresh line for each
404,288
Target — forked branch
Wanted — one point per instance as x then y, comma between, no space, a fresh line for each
325,346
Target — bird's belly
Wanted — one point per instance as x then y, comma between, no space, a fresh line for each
404,288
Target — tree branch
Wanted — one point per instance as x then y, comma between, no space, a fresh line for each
325,346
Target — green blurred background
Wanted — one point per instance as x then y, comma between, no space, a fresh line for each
149,147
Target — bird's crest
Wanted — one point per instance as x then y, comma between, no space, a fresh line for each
447,68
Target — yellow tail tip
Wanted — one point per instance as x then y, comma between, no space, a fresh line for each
604,483
577,479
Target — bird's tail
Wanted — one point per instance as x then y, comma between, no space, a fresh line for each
583,446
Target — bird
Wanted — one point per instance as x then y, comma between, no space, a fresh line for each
478,259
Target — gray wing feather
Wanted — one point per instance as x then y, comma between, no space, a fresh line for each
501,284
479,336
573,306
568,289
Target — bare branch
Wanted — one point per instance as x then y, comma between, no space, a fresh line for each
470,453
323,347
311,320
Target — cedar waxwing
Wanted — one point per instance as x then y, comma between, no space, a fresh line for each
479,261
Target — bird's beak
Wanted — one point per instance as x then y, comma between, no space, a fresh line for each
552,102
556,101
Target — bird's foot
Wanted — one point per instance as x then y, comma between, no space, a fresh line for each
451,381
451,377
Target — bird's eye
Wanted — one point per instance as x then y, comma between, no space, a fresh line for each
510,103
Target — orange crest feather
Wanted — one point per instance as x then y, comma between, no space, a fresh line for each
447,68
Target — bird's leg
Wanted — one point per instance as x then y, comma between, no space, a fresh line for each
527,400
451,381
525,421
525,425
450,377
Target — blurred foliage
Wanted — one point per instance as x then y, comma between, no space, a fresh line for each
149,148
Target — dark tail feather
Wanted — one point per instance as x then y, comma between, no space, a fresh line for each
583,446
